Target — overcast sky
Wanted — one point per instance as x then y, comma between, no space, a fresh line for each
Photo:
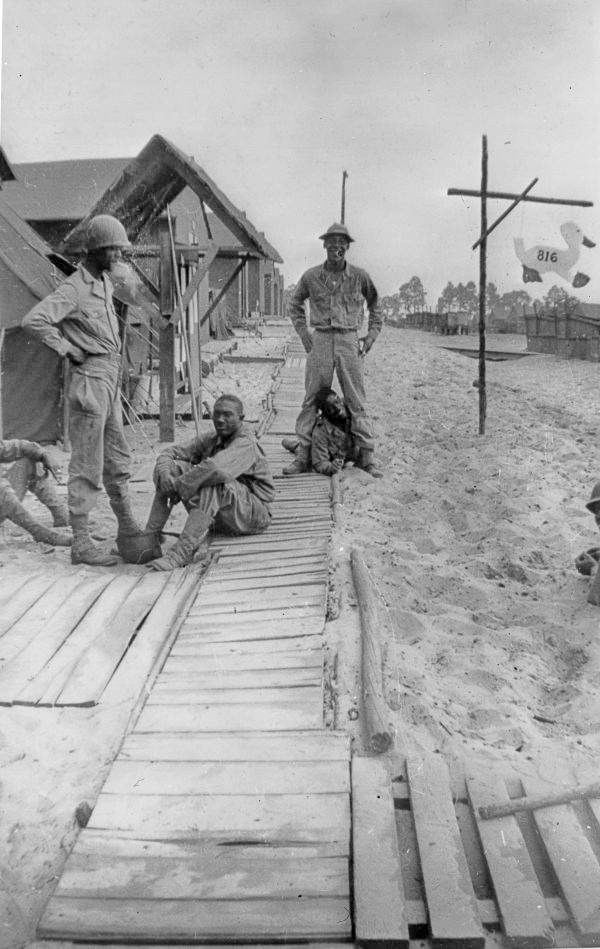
275,98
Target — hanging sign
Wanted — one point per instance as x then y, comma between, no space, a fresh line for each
561,260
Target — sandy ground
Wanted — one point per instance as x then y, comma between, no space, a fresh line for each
490,648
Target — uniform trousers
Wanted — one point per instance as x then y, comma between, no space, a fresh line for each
335,351
99,452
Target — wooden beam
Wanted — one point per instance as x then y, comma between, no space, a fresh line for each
505,195
504,214
221,293
201,272
166,371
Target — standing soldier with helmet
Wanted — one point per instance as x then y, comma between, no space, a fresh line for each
78,320
337,292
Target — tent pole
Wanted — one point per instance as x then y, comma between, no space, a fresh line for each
2,331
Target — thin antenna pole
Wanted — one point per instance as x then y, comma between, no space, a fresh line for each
343,214
482,285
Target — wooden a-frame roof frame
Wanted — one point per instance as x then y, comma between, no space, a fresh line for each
150,182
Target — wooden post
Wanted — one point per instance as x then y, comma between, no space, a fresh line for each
183,327
343,214
482,286
166,338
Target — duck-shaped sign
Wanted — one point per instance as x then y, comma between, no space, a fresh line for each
541,259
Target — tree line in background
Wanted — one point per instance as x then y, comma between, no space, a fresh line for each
412,298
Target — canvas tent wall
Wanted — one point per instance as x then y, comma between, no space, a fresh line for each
30,380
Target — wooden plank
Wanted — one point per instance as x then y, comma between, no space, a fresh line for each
31,624
451,901
574,862
264,616
264,717
24,598
283,664
218,677
95,668
521,903
307,645
250,600
212,777
249,746
47,685
177,920
380,915
289,818
258,586
237,630
142,663
204,869
283,697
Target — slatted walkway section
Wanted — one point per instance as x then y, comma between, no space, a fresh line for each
63,636
428,867
226,816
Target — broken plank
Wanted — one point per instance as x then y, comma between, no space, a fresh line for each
201,777
574,862
380,915
521,903
229,718
96,667
247,746
177,920
451,901
142,663
289,818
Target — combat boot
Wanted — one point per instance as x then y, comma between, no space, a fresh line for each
44,490
121,506
366,463
159,513
301,462
11,508
84,550
192,537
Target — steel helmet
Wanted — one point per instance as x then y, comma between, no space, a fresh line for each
337,229
105,231
594,500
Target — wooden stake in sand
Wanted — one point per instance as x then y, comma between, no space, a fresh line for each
535,802
375,709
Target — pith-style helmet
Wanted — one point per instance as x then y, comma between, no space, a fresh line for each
594,501
105,231
340,229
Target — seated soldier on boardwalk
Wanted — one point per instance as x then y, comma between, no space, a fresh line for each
331,444
32,469
223,480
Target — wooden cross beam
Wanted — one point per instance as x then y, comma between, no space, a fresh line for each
483,194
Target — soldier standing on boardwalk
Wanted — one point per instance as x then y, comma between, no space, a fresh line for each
337,292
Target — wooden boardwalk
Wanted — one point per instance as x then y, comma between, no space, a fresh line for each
226,814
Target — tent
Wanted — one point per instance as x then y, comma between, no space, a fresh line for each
30,379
